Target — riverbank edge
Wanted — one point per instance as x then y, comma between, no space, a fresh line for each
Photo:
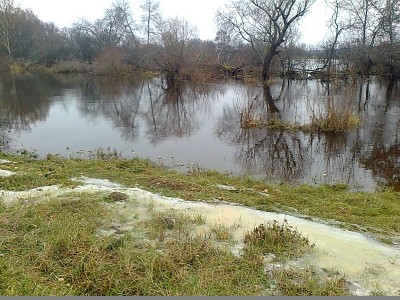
376,214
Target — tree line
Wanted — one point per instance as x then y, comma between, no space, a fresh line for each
255,35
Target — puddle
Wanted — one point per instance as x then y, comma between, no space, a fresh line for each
368,264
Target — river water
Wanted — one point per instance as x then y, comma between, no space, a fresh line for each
192,126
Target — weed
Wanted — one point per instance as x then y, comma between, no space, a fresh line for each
222,233
170,224
292,282
335,115
73,66
282,240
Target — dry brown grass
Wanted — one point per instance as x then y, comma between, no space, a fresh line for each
335,116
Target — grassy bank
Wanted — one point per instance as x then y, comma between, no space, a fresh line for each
54,247
377,212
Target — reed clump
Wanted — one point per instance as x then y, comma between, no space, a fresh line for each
331,117
334,117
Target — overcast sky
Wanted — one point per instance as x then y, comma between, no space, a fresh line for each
199,13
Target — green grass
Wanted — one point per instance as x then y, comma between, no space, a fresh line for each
291,282
164,225
53,248
377,212
282,240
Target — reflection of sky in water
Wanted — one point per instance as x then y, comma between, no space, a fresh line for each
200,125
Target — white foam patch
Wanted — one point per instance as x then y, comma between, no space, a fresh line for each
97,182
5,173
5,161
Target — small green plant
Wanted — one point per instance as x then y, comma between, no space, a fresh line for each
221,233
282,240
170,223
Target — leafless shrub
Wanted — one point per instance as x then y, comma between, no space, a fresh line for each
73,66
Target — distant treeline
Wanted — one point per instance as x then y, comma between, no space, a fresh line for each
364,37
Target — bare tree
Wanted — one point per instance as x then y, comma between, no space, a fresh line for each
338,25
25,37
150,16
174,37
264,24
364,33
114,29
9,21
222,40
390,15
367,30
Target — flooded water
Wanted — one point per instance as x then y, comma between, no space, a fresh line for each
191,126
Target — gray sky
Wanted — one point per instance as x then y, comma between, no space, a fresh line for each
199,13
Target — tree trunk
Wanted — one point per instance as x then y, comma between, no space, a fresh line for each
267,62
10,57
272,109
266,69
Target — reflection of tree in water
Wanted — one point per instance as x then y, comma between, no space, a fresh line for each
169,110
173,112
281,155
278,155
116,98
384,163
288,156
382,157
392,91
381,151
4,134
335,158
174,108
25,100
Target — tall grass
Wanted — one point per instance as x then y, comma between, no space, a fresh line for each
336,115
